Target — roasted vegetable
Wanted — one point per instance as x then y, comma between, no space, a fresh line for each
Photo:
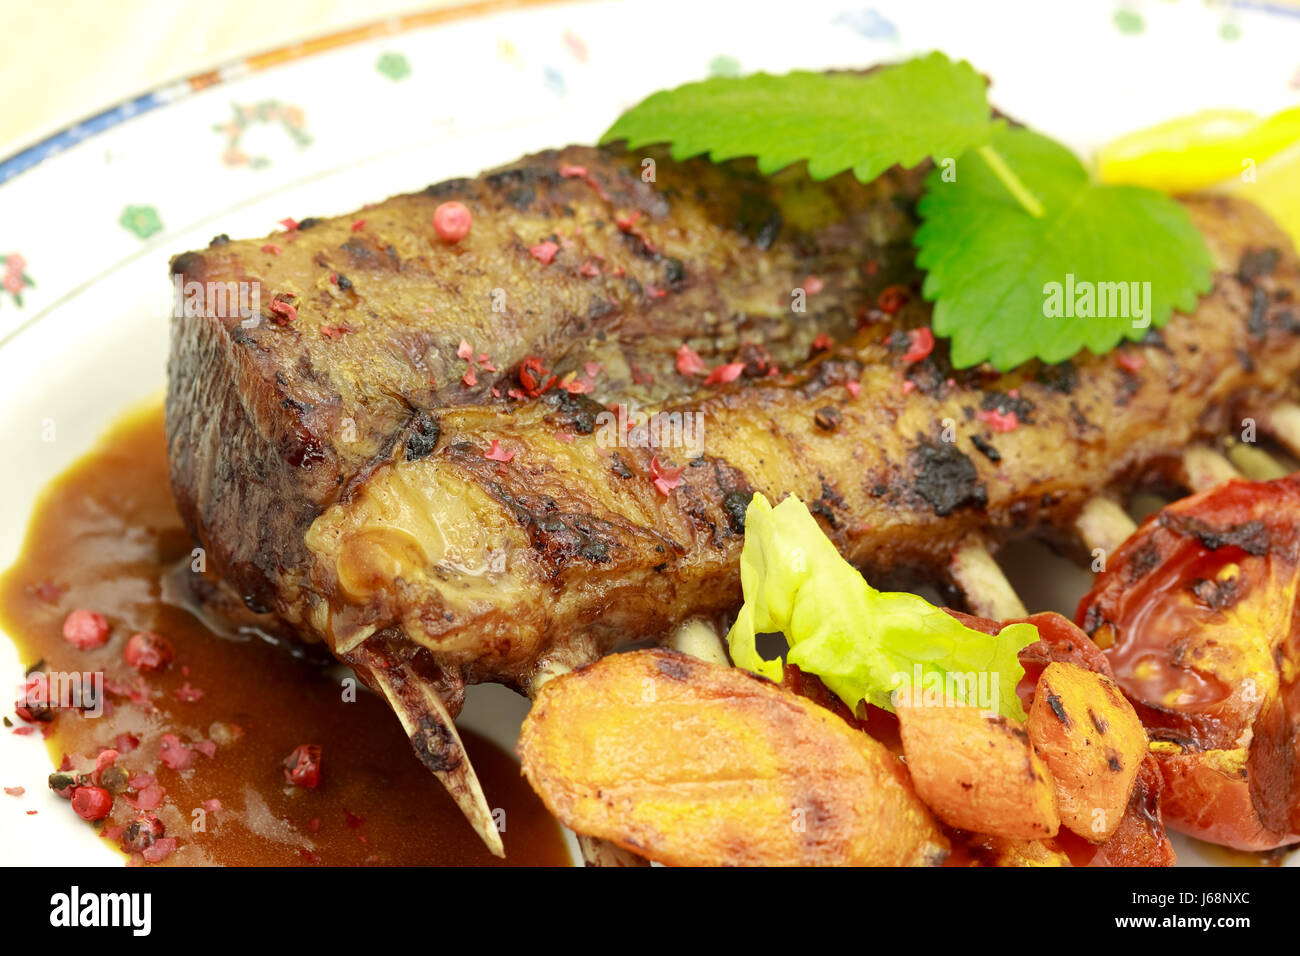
1092,741
985,850
978,772
1197,615
1140,839
691,763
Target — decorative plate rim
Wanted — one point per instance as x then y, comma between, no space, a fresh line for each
51,144
165,94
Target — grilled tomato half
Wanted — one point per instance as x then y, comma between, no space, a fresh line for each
1197,616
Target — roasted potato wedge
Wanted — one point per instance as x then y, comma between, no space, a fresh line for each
1093,742
977,772
691,763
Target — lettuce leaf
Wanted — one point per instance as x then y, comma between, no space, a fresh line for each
864,644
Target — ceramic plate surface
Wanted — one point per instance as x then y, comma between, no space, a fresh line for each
90,216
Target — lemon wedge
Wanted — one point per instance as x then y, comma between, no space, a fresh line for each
1198,151
1276,190
1237,151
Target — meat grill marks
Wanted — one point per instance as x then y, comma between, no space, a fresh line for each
327,409
341,479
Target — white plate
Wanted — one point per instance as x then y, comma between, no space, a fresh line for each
97,210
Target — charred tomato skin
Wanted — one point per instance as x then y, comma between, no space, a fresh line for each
1194,614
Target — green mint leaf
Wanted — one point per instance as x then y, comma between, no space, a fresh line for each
989,263
928,107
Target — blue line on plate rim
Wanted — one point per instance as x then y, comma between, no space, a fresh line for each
78,132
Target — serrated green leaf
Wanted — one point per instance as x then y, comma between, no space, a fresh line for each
928,107
989,262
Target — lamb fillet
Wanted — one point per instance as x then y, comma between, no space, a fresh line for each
442,521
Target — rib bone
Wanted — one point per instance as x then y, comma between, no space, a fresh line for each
1103,524
598,852
1204,468
987,590
433,734
700,639
1282,421
1254,462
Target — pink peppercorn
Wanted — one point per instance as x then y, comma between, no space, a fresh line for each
85,629
302,767
1130,361
451,221
922,344
148,651
92,803
1000,420
174,753
141,833
544,252
160,849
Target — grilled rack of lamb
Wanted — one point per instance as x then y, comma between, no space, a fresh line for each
408,454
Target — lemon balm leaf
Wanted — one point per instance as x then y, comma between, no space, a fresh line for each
927,108
864,644
1020,216
1101,264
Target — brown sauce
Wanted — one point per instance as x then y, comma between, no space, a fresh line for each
105,536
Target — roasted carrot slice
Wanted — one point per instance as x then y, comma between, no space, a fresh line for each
1093,742
1140,839
978,772
691,763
